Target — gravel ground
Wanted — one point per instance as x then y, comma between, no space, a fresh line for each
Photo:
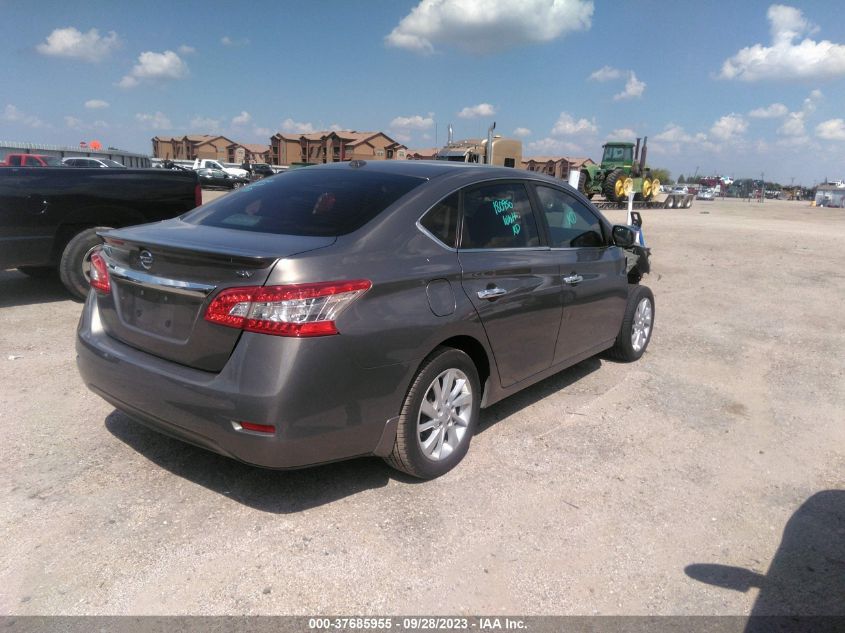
589,493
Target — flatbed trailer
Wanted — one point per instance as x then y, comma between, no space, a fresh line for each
672,201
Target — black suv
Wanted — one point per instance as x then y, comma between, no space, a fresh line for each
262,170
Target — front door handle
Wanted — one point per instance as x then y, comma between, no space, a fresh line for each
573,279
491,293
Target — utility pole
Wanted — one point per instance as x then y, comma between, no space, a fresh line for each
763,190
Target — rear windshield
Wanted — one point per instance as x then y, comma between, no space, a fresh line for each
318,202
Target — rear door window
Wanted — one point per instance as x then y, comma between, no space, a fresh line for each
317,202
498,215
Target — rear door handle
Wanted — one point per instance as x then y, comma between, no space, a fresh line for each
573,279
491,293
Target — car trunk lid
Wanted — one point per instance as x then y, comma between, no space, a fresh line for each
163,277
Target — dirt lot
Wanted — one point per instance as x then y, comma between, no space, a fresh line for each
589,493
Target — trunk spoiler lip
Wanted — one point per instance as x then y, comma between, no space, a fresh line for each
254,254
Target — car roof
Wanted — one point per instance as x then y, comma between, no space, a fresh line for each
431,169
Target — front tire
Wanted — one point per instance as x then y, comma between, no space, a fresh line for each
438,417
637,325
76,261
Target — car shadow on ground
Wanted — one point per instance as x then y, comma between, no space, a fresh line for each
807,574
288,491
16,289
535,393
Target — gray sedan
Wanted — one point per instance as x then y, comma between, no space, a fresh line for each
357,309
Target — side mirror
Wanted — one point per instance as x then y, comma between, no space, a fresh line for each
623,236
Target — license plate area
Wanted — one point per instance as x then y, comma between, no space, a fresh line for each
165,314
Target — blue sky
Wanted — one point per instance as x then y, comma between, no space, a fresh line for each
735,88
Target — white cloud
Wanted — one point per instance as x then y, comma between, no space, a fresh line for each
336,127
566,125
552,146
522,132
476,111
155,67
633,88
674,139
228,41
12,114
157,121
296,127
415,122
402,137
673,134
785,59
96,104
485,26
205,124
622,134
100,124
605,73
729,127
73,123
184,49
810,103
70,42
831,130
774,111
793,125
262,131
242,119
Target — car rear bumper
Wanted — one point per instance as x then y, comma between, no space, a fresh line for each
323,406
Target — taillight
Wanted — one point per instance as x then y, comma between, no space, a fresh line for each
296,310
99,274
255,428
197,195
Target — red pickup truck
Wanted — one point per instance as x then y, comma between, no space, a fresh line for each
31,160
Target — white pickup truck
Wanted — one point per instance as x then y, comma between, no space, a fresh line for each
207,163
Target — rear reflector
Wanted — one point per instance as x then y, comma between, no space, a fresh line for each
99,274
197,195
296,310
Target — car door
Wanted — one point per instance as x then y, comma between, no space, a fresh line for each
512,279
593,273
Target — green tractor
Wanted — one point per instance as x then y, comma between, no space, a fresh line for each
621,165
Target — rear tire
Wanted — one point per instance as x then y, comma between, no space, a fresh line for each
670,202
37,272
637,326
438,417
582,182
75,261
609,188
